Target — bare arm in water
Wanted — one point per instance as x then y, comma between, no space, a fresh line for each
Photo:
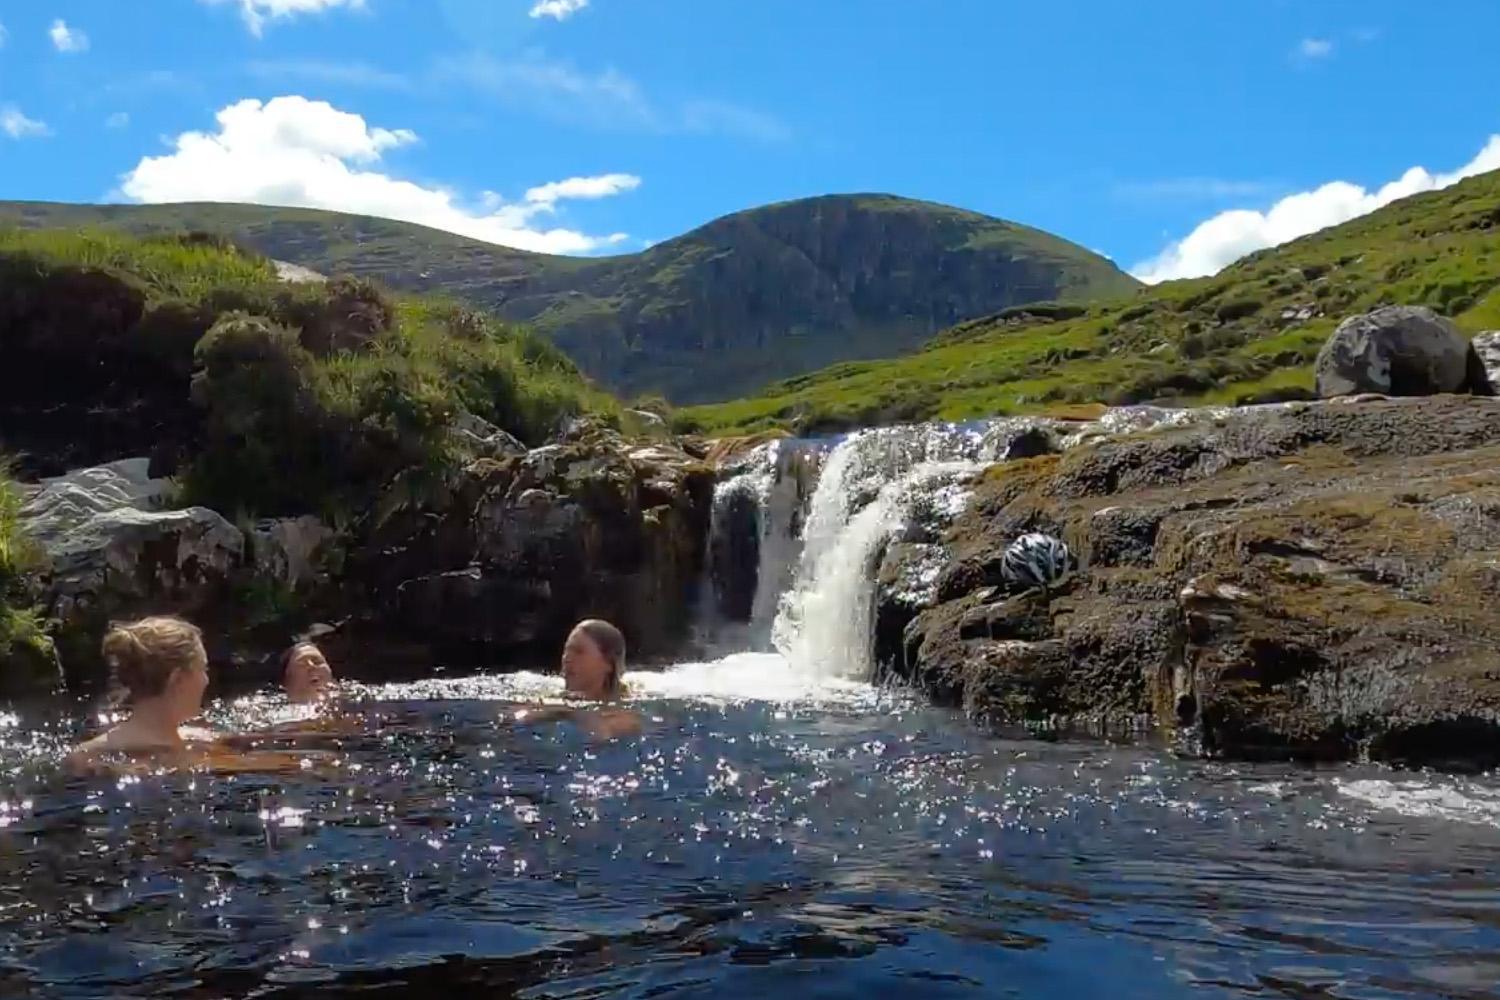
605,723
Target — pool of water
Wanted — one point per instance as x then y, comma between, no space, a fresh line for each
763,834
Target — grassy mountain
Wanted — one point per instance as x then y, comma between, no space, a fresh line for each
1249,333
723,310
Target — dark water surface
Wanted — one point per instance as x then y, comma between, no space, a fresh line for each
843,843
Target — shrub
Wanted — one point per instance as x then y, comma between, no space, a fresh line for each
23,631
1235,309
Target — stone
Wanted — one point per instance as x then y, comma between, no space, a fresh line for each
1398,351
481,439
1487,347
286,550
111,550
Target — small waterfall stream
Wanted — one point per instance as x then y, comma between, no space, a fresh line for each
799,527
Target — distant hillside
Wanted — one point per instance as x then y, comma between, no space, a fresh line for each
1249,333
721,311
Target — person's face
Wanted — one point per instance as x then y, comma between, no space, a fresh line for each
186,686
586,670
309,678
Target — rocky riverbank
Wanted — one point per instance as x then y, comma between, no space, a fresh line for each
1307,579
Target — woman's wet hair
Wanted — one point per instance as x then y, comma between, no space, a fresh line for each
143,655
611,644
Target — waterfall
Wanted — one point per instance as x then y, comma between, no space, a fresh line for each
799,528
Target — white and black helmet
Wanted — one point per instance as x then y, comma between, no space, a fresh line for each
1035,560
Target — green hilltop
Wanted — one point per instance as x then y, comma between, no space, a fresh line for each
721,311
1245,335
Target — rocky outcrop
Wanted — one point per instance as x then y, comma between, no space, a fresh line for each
1305,579
516,551
1399,351
112,550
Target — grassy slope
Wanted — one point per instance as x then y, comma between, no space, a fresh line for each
744,300
1249,333
430,358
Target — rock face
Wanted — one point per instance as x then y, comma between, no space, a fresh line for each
1399,351
1304,579
286,550
113,551
1487,347
499,569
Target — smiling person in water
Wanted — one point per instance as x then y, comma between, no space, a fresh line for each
162,666
306,675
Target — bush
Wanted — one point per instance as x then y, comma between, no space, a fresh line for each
23,631
1235,309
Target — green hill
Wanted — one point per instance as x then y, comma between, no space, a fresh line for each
721,311
1249,333
266,397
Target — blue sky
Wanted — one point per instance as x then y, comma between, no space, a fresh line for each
1170,134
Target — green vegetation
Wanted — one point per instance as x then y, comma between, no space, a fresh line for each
747,299
283,397
23,633
1247,334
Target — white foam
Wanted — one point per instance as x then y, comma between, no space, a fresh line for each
1451,799
745,677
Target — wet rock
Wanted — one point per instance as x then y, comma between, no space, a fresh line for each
516,551
1302,580
1399,351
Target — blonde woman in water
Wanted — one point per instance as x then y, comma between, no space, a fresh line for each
161,664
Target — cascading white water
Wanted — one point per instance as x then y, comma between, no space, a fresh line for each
870,484
815,588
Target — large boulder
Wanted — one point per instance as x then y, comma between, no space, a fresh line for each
1399,351
111,550
518,550
1296,580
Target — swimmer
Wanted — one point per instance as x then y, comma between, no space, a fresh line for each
163,667
593,667
306,675
593,661
161,664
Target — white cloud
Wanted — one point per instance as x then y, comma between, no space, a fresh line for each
66,39
1315,48
606,100
559,10
257,12
117,120
1228,236
17,126
3,35
297,152
588,188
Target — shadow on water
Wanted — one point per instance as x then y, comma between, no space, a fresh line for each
836,842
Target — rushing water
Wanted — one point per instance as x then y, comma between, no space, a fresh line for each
765,832
777,825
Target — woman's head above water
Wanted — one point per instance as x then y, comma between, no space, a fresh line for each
593,660
305,674
161,664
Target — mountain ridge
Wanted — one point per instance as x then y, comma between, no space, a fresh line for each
747,298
